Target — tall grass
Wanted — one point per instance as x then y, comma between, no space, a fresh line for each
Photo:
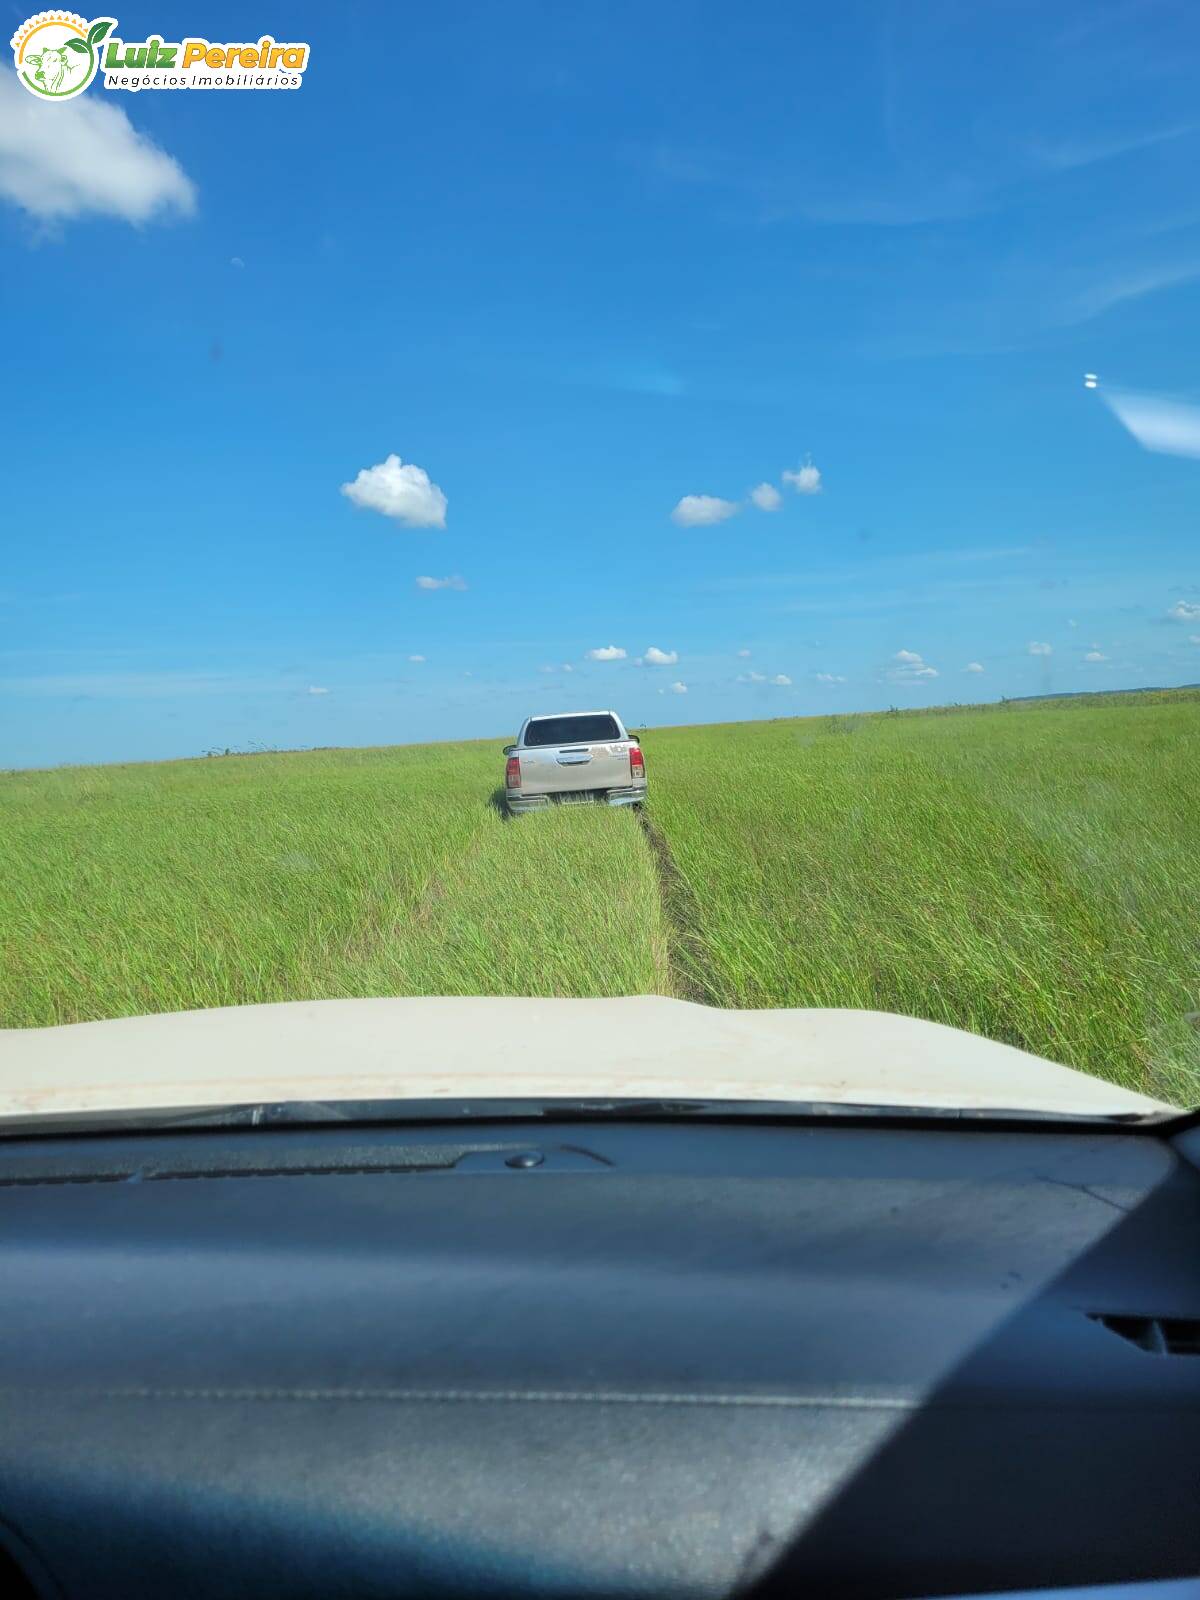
149,888
1029,875
125,890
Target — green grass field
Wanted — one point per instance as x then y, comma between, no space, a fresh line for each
1027,872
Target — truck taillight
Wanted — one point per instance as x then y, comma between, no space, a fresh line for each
637,763
512,773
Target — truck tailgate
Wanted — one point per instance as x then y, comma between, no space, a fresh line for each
558,769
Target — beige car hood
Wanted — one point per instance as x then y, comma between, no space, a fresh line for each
421,1049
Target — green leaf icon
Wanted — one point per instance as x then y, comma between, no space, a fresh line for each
77,44
97,30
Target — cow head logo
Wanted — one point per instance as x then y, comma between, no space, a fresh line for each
57,53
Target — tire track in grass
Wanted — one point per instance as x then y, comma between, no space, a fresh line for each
551,905
693,974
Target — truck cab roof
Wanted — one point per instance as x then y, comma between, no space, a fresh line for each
586,711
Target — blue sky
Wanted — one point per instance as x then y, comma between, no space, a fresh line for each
577,263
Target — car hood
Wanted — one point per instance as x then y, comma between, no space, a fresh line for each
640,1047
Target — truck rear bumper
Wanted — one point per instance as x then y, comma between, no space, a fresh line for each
630,796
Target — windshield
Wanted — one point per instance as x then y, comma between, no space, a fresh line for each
811,385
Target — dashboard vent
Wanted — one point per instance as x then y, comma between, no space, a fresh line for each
1161,1336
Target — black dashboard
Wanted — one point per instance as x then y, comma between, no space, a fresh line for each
685,1358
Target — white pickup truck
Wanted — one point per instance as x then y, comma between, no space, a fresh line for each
574,757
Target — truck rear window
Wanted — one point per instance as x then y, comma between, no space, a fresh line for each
572,730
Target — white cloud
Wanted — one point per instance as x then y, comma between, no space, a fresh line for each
911,667
1040,649
1095,655
830,677
416,658
699,510
607,652
973,666
567,667
399,490
83,158
236,261
454,582
679,688
315,688
806,481
1165,426
1194,638
745,654
1184,611
661,658
782,680
751,677
766,497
